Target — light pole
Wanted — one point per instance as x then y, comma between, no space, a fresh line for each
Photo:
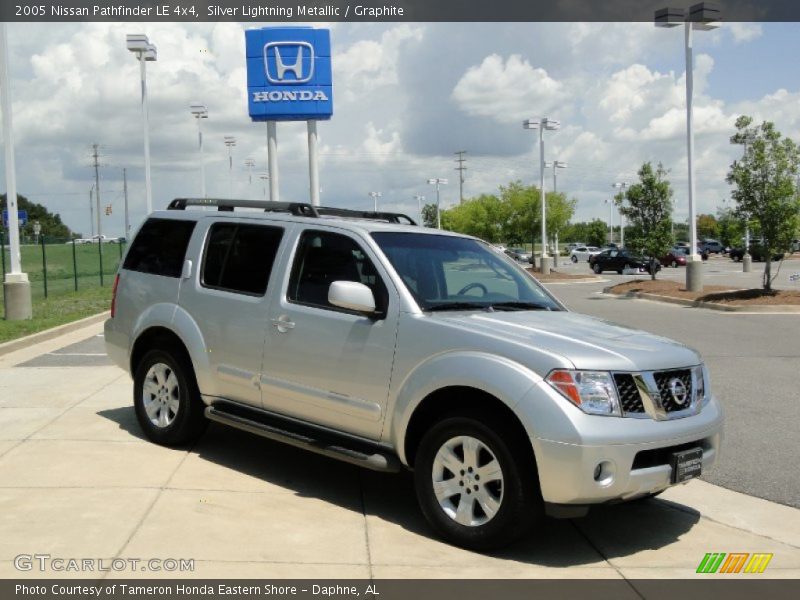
610,203
264,178
703,17
556,164
230,142
437,181
200,112
621,186
16,287
145,52
249,163
746,258
551,125
375,196
420,200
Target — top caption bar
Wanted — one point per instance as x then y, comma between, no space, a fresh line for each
298,11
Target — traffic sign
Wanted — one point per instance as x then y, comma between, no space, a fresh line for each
22,215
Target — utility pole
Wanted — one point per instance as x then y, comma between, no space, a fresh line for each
461,168
95,158
91,209
125,195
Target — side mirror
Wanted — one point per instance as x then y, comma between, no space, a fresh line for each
352,296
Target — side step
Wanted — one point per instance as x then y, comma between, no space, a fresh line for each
344,448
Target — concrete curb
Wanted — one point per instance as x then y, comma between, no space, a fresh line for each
49,334
778,308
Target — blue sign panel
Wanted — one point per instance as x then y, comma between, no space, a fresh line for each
22,215
289,74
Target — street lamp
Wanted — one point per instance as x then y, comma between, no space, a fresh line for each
551,125
145,52
420,200
622,185
230,142
200,112
249,163
703,17
437,181
375,196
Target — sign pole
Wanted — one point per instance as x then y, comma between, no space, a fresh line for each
272,156
313,164
16,287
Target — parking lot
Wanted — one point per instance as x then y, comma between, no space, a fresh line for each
77,479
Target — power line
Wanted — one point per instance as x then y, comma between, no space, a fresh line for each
461,168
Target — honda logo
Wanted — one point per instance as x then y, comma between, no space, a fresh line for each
295,58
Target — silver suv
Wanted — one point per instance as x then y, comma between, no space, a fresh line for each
368,339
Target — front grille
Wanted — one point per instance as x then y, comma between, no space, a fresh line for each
664,381
629,397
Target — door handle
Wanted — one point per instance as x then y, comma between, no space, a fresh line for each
283,324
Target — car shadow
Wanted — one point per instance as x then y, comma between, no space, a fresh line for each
607,532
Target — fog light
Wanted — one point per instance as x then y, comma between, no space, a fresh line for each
604,473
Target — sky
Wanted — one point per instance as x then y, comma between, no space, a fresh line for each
406,97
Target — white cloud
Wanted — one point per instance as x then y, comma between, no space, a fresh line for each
744,32
507,90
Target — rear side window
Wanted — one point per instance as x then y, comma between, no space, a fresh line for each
160,247
239,257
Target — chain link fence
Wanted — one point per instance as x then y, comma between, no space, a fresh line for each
58,266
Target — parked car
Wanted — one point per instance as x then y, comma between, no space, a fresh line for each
757,253
712,246
390,346
615,259
676,257
519,254
795,245
573,245
582,253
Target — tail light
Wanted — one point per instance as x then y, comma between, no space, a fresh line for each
114,296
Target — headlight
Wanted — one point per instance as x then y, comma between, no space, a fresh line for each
593,392
701,379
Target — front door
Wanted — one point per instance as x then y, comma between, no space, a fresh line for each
322,363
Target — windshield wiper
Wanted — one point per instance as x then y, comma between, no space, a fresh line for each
519,306
459,306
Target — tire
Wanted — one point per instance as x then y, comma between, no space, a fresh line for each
574,258
169,409
596,268
514,500
674,264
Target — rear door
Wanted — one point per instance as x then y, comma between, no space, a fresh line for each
227,300
322,363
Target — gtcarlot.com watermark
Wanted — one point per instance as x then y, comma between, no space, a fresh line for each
56,564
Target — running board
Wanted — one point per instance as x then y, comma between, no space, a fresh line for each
322,442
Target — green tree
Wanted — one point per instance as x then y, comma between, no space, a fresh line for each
429,215
559,212
730,228
648,208
482,217
593,233
707,227
522,209
51,223
764,186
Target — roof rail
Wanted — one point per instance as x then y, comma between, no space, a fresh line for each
297,209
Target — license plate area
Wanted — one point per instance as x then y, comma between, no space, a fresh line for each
686,464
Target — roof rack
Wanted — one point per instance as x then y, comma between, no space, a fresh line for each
297,209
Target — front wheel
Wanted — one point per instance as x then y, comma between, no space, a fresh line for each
574,258
166,398
475,487
596,268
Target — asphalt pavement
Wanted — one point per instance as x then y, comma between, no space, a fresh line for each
754,363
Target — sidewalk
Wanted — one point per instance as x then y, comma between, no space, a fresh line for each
77,480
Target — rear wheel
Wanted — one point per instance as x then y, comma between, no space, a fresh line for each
574,258
674,264
166,398
475,485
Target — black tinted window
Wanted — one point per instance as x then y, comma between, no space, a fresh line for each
239,257
160,247
323,258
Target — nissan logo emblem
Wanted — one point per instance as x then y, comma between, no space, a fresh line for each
678,391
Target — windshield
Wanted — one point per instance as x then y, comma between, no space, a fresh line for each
453,273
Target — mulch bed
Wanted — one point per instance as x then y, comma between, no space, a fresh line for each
557,276
711,293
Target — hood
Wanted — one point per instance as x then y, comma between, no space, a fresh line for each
587,342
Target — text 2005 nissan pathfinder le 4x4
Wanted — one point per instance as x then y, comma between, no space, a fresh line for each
366,338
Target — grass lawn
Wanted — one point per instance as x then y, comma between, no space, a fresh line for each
57,310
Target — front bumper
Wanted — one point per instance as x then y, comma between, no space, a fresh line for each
634,454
